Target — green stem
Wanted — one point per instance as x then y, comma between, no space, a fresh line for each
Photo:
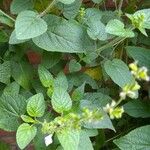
119,101
4,14
110,44
120,7
50,6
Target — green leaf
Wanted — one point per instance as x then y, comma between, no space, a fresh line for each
27,119
74,66
104,123
96,29
64,36
29,25
116,27
146,12
45,76
69,139
135,140
137,108
12,106
12,88
5,72
66,1
61,100
77,79
140,19
36,105
25,135
50,59
3,37
85,142
78,93
93,13
20,5
13,39
118,71
61,81
22,74
70,11
142,55
95,101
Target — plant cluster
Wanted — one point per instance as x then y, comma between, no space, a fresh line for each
70,71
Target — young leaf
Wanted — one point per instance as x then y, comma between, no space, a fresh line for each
69,139
61,100
118,71
36,105
25,135
20,5
29,25
116,27
45,76
135,140
27,119
61,81
74,66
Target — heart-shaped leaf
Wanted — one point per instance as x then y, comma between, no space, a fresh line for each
29,25
25,135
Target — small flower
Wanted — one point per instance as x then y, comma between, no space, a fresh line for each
113,111
139,73
134,66
143,74
109,106
82,12
116,112
48,140
130,90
